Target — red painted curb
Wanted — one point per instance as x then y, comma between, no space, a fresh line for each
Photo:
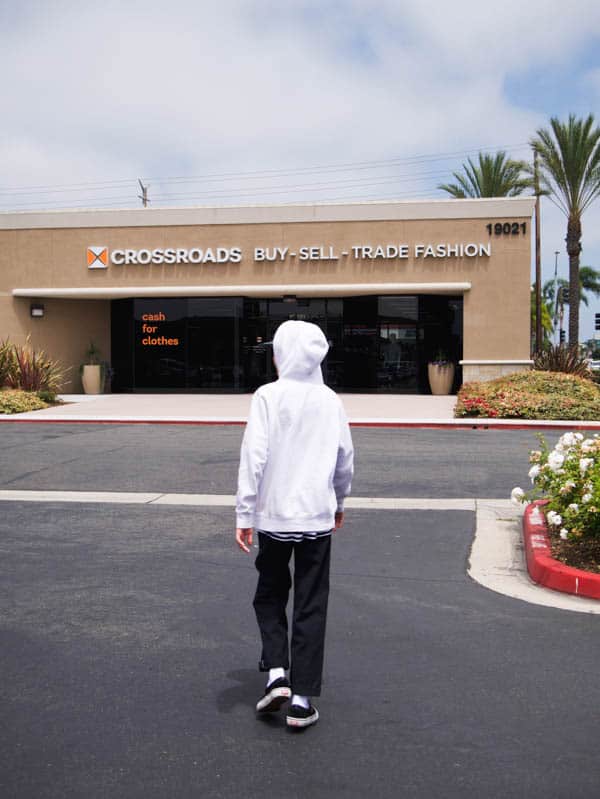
546,570
121,421
466,425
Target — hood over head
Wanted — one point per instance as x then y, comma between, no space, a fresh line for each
298,349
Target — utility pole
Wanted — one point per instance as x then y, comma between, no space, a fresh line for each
144,195
556,254
538,259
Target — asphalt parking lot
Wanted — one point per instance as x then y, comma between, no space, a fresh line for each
129,647
204,458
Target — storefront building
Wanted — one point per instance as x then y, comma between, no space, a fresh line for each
188,299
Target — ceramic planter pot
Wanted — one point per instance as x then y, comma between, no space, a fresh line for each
91,378
441,377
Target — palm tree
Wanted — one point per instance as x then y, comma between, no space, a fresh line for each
547,321
589,281
569,157
496,176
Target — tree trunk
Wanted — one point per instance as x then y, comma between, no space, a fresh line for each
573,250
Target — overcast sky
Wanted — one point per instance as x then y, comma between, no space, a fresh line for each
246,101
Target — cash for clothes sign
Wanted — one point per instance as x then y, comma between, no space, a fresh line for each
151,335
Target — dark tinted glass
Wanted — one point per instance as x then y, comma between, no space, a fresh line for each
223,343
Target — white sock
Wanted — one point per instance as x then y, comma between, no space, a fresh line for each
303,701
275,674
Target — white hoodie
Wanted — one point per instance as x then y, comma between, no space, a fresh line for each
296,461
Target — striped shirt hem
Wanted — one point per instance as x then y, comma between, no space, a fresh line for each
296,537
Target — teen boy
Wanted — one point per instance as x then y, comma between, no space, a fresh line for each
296,465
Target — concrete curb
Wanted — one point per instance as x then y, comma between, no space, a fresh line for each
449,424
497,560
546,570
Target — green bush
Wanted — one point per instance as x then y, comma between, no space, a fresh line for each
531,395
33,370
48,396
562,358
7,361
17,401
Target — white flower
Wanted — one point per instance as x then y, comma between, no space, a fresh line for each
574,507
568,440
516,495
588,445
534,472
568,486
586,498
584,464
555,460
579,436
564,533
554,519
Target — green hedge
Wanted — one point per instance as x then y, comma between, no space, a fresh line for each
17,401
531,395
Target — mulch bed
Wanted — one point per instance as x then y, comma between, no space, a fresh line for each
582,554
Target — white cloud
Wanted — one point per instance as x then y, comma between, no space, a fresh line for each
112,91
156,85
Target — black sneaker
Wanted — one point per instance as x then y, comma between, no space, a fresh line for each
298,716
278,692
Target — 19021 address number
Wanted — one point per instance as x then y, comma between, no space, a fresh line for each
506,228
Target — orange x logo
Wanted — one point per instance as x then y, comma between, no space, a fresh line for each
97,257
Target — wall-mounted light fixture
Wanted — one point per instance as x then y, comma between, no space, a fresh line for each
36,309
289,298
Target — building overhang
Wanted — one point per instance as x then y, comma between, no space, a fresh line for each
254,290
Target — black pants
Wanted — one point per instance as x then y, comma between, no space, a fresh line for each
311,592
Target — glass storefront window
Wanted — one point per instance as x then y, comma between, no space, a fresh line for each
222,344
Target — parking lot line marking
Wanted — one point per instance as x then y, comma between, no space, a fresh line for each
129,497
224,500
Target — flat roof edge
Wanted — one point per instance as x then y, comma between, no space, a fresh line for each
396,210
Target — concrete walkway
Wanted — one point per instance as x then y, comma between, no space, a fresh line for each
366,409
234,408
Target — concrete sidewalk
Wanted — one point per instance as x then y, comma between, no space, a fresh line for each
410,410
233,408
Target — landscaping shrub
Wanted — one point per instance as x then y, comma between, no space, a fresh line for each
7,361
48,397
33,370
16,401
531,395
562,358
568,476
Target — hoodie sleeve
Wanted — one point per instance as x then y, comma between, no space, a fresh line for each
253,457
344,467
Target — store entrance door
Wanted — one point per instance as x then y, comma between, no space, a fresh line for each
261,320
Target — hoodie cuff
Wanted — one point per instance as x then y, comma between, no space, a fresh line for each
244,522
340,506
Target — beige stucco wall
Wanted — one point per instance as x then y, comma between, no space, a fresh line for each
496,307
64,332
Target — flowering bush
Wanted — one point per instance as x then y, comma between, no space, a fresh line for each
531,395
568,476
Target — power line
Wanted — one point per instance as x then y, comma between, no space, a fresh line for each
119,202
358,165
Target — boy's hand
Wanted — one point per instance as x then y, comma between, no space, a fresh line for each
243,536
339,519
